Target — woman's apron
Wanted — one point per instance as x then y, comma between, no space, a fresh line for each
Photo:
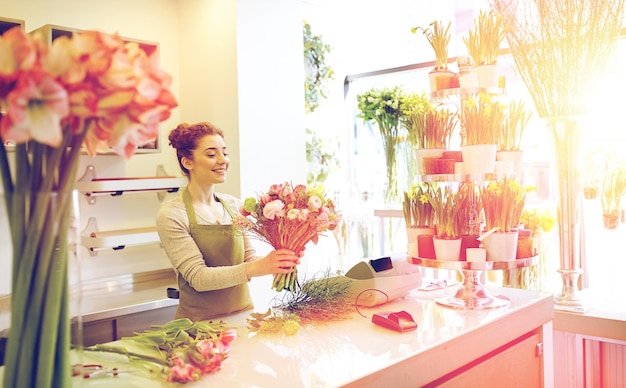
220,245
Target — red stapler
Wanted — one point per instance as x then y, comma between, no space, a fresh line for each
399,320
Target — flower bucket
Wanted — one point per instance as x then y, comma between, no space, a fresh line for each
412,235
426,247
479,158
447,249
501,246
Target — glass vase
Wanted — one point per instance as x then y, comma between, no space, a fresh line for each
45,315
565,137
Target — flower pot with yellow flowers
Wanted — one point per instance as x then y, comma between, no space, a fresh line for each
612,194
447,240
438,36
483,45
429,131
482,118
419,215
516,119
503,202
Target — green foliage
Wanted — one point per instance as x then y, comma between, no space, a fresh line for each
318,72
418,211
483,118
439,37
321,155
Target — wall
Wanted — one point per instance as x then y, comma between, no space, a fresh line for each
204,45
241,68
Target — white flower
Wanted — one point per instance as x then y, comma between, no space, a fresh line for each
274,209
315,203
292,214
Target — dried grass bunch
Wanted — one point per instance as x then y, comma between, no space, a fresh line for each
560,47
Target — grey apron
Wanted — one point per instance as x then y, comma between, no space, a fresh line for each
220,245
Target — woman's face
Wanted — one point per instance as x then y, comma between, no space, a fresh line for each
210,160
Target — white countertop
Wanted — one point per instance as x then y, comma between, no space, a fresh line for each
356,352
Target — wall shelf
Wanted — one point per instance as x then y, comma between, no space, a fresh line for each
96,241
91,187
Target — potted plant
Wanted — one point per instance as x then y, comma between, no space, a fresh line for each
482,118
439,37
516,119
483,45
429,131
419,215
503,203
447,240
382,106
612,193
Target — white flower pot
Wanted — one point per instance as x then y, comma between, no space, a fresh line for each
447,249
479,158
501,246
488,75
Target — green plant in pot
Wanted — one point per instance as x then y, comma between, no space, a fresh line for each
382,106
483,45
417,209
612,194
482,118
503,203
516,118
419,215
439,36
414,107
447,240
429,131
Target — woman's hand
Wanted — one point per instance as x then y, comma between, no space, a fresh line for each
277,261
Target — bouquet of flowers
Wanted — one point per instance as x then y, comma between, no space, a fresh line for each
288,217
180,350
91,91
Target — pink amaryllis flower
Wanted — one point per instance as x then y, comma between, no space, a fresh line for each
36,106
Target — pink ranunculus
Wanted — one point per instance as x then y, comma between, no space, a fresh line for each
315,203
36,106
277,189
265,199
273,209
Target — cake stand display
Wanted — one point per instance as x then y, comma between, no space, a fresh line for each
471,293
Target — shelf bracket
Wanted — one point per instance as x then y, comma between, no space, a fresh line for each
90,230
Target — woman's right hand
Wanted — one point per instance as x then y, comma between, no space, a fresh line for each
277,261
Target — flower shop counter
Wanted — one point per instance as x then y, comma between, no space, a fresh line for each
472,347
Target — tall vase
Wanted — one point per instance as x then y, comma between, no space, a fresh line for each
45,320
565,135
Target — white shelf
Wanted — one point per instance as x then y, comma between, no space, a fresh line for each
117,186
91,187
119,239
95,240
